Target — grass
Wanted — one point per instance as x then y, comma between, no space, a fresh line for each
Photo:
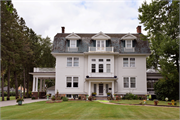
11,98
86,110
137,102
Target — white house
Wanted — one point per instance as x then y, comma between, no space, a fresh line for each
100,63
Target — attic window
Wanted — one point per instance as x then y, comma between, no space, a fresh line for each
129,43
72,43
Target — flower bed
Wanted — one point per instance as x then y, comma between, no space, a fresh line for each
55,101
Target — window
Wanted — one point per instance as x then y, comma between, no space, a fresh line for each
93,68
75,82
72,82
73,61
69,81
69,61
133,82
93,60
129,82
132,62
68,95
100,45
108,69
100,68
76,61
108,60
128,44
100,60
72,43
126,82
125,62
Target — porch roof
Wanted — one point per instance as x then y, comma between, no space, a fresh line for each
101,78
43,74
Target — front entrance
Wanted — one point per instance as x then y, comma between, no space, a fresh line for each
100,89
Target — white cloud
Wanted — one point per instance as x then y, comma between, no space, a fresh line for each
47,17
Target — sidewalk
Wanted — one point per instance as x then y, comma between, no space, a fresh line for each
13,102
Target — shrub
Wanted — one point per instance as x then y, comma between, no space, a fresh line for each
33,98
90,98
58,98
109,98
19,99
53,98
61,97
135,97
65,99
12,93
140,98
79,97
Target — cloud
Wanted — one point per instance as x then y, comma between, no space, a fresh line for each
79,16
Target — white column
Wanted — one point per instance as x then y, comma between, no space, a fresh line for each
44,85
113,88
40,85
33,88
37,84
89,88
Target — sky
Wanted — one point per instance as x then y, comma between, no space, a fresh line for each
46,17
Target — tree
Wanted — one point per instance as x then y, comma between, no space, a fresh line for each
161,20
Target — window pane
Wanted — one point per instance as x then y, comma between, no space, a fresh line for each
69,80
132,62
102,45
100,60
125,62
133,82
69,61
126,82
100,68
75,84
76,61
108,60
93,66
128,43
73,43
68,95
98,44
75,81
108,68
93,59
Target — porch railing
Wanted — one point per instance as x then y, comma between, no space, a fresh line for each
44,69
101,49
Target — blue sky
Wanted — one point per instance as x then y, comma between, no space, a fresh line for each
46,17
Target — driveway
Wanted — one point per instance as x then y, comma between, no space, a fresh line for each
13,102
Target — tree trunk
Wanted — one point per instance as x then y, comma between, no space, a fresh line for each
27,83
16,84
2,86
24,86
8,98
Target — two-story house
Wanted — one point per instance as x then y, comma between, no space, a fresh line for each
101,63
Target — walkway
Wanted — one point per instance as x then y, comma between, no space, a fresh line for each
13,102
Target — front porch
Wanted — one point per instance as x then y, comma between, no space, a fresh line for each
101,86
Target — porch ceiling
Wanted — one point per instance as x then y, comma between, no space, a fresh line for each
44,74
101,78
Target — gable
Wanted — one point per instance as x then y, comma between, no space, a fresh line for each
100,36
73,36
129,37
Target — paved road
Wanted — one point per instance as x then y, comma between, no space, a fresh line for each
13,102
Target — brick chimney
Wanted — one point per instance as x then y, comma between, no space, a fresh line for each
138,29
63,29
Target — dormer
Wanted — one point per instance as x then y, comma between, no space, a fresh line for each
101,43
129,41
73,40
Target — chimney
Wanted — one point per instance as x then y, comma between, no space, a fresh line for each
138,29
63,28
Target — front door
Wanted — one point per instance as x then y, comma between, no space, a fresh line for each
100,89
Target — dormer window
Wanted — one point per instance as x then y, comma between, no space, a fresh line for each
129,41
73,41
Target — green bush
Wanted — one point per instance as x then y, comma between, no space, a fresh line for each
61,97
79,97
130,96
65,99
140,98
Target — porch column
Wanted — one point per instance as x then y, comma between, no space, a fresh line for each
40,85
43,85
37,84
113,88
89,88
33,88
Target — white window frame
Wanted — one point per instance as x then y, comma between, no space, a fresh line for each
130,65
127,43
71,44
100,48
108,70
73,61
127,63
72,81
129,81
93,68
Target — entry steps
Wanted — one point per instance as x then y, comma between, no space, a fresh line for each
101,97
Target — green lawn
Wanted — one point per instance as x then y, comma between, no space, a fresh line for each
86,110
11,98
137,102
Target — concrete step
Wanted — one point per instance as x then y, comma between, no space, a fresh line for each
101,98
